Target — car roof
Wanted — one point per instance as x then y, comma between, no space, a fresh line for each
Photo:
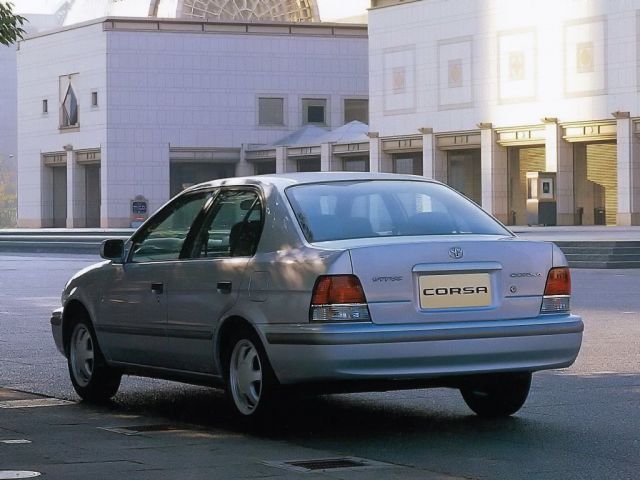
284,180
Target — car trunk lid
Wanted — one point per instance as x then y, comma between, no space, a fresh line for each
451,278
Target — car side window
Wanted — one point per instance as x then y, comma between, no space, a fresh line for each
165,236
232,227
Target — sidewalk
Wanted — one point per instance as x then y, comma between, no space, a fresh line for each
67,440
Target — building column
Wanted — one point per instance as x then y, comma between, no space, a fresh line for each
325,157
75,191
628,152
243,168
493,173
434,160
281,160
559,159
375,152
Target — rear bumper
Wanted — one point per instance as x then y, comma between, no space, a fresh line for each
56,328
337,352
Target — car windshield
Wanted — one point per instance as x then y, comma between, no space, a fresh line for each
386,208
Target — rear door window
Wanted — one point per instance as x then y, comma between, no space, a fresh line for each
232,227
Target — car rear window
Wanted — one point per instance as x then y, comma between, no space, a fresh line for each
386,208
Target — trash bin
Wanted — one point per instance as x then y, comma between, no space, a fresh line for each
599,216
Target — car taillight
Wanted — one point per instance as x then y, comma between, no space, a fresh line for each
339,298
557,291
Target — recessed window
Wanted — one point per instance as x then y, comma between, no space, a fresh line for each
409,164
45,106
264,168
94,99
69,108
358,164
270,111
356,109
309,165
314,110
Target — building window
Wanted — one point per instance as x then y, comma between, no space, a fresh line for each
314,110
408,164
69,109
309,165
356,164
356,109
94,99
45,106
270,111
264,168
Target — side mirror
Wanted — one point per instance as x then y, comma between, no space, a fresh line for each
112,249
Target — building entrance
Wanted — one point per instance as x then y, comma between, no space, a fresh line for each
595,183
92,195
59,196
520,161
464,173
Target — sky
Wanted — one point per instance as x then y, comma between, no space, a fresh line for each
329,9
332,9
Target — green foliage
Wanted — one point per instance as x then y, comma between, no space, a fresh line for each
8,197
10,24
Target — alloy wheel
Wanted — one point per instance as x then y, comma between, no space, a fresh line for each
82,355
245,376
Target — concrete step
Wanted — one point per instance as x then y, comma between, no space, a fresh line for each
64,232
58,240
599,243
603,265
602,254
600,250
603,257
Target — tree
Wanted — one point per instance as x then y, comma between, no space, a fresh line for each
10,24
8,199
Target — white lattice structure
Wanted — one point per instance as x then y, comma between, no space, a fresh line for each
77,11
250,10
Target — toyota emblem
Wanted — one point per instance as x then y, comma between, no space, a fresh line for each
456,252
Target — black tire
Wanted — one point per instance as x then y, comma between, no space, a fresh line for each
494,396
251,384
92,378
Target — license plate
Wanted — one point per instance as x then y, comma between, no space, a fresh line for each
455,291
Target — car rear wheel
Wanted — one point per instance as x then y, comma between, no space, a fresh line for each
91,377
251,383
497,395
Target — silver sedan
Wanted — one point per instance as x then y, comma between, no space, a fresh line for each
324,281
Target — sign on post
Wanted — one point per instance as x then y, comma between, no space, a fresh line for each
139,211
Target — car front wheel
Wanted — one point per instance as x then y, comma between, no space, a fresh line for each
91,377
497,395
251,383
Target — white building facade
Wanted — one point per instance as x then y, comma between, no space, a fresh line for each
479,94
119,110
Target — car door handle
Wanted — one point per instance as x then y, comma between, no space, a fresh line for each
157,288
224,287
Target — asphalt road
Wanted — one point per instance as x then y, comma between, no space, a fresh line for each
579,423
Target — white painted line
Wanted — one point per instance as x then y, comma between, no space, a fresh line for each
38,402
11,474
15,442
